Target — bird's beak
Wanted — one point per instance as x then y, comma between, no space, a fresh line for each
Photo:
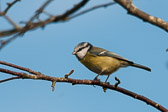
74,53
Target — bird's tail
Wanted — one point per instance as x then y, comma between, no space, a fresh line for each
141,66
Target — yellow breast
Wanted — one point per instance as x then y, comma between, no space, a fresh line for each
101,64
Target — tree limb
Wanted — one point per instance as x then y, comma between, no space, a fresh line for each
39,76
18,67
93,8
12,78
133,10
8,7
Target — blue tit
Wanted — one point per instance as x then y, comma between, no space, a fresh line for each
101,61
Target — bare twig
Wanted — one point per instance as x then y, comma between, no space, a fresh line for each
53,85
68,74
93,8
77,81
47,13
118,82
40,10
66,15
4,43
133,10
9,6
19,67
12,22
9,79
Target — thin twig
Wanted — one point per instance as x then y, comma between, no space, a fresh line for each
19,67
29,23
53,85
118,82
11,22
40,10
68,74
93,8
9,79
9,6
4,43
66,15
47,13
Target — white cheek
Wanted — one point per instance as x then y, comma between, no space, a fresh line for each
81,54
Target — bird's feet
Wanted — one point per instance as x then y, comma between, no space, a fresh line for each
96,79
104,89
107,83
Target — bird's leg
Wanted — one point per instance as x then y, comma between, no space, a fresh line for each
107,79
96,78
104,89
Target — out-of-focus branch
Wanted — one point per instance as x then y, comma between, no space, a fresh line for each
3,13
8,7
30,25
63,17
17,29
11,22
93,8
3,43
40,10
66,15
39,76
69,14
133,10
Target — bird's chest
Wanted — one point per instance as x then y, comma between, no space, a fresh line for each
100,64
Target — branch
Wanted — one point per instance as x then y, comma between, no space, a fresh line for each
18,67
9,6
33,25
71,11
40,10
39,76
3,43
30,25
133,10
11,22
93,8
12,78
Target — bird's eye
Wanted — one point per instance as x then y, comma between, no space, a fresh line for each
80,49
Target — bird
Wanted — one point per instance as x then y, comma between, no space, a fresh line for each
102,61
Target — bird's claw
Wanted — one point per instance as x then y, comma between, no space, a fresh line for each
96,79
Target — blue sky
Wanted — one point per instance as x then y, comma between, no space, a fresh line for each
49,51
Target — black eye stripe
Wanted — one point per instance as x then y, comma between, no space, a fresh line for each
80,49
